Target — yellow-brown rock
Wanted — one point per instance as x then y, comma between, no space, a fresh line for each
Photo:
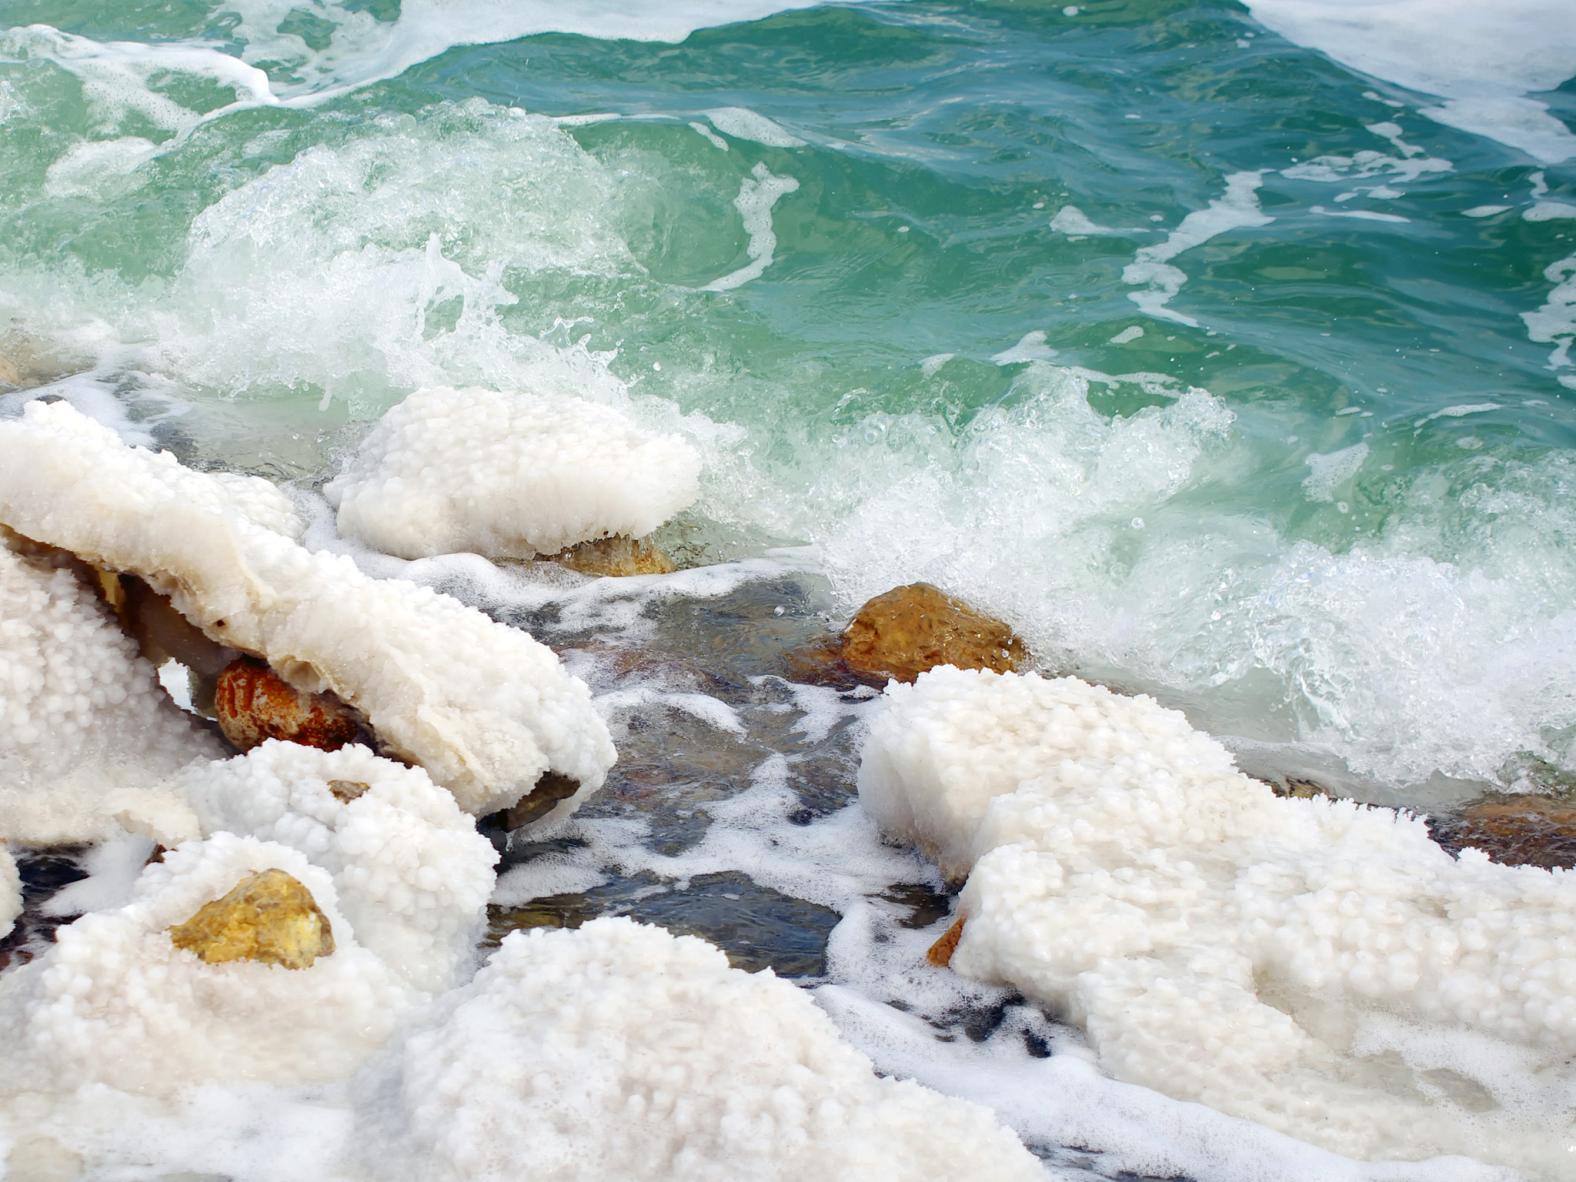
616,556
253,703
1516,830
940,953
268,917
910,629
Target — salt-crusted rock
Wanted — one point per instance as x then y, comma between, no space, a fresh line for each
1314,965
1517,830
114,1002
10,892
621,1051
482,707
617,557
84,726
508,476
268,917
409,869
910,629
253,704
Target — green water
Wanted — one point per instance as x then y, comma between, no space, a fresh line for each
884,323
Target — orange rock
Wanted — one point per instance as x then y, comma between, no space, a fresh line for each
910,629
616,556
269,917
1516,830
253,704
941,951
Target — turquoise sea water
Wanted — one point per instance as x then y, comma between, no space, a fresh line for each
1220,368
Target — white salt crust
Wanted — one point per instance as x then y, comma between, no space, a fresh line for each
84,727
621,1051
508,476
484,708
10,892
115,1003
410,870
1319,967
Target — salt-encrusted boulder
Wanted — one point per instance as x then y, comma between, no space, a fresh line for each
253,704
621,1051
907,630
268,917
85,729
10,892
409,868
115,1002
1315,965
484,708
508,476
1519,829
617,557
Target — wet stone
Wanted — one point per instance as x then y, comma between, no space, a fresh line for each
904,633
268,917
1515,830
254,704
616,557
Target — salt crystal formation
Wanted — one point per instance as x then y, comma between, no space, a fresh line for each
484,708
86,727
621,1051
115,1002
10,892
508,476
409,868
1314,965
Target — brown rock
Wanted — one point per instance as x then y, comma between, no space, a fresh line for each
253,704
1516,830
268,917
1299,789
616,556
549,790
941,951
910,629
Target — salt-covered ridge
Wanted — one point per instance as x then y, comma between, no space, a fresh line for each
1317,966
485,709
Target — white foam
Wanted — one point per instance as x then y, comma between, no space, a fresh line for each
1073,222
1549,211
744,124
1367,215
1412,652
1327,472
1151,268
1031,347
1554,323
1129,334
1481,58
759,192
1484,211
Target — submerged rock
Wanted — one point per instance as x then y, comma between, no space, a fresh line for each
254,704
616,556
1516,830
268,917
911,629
